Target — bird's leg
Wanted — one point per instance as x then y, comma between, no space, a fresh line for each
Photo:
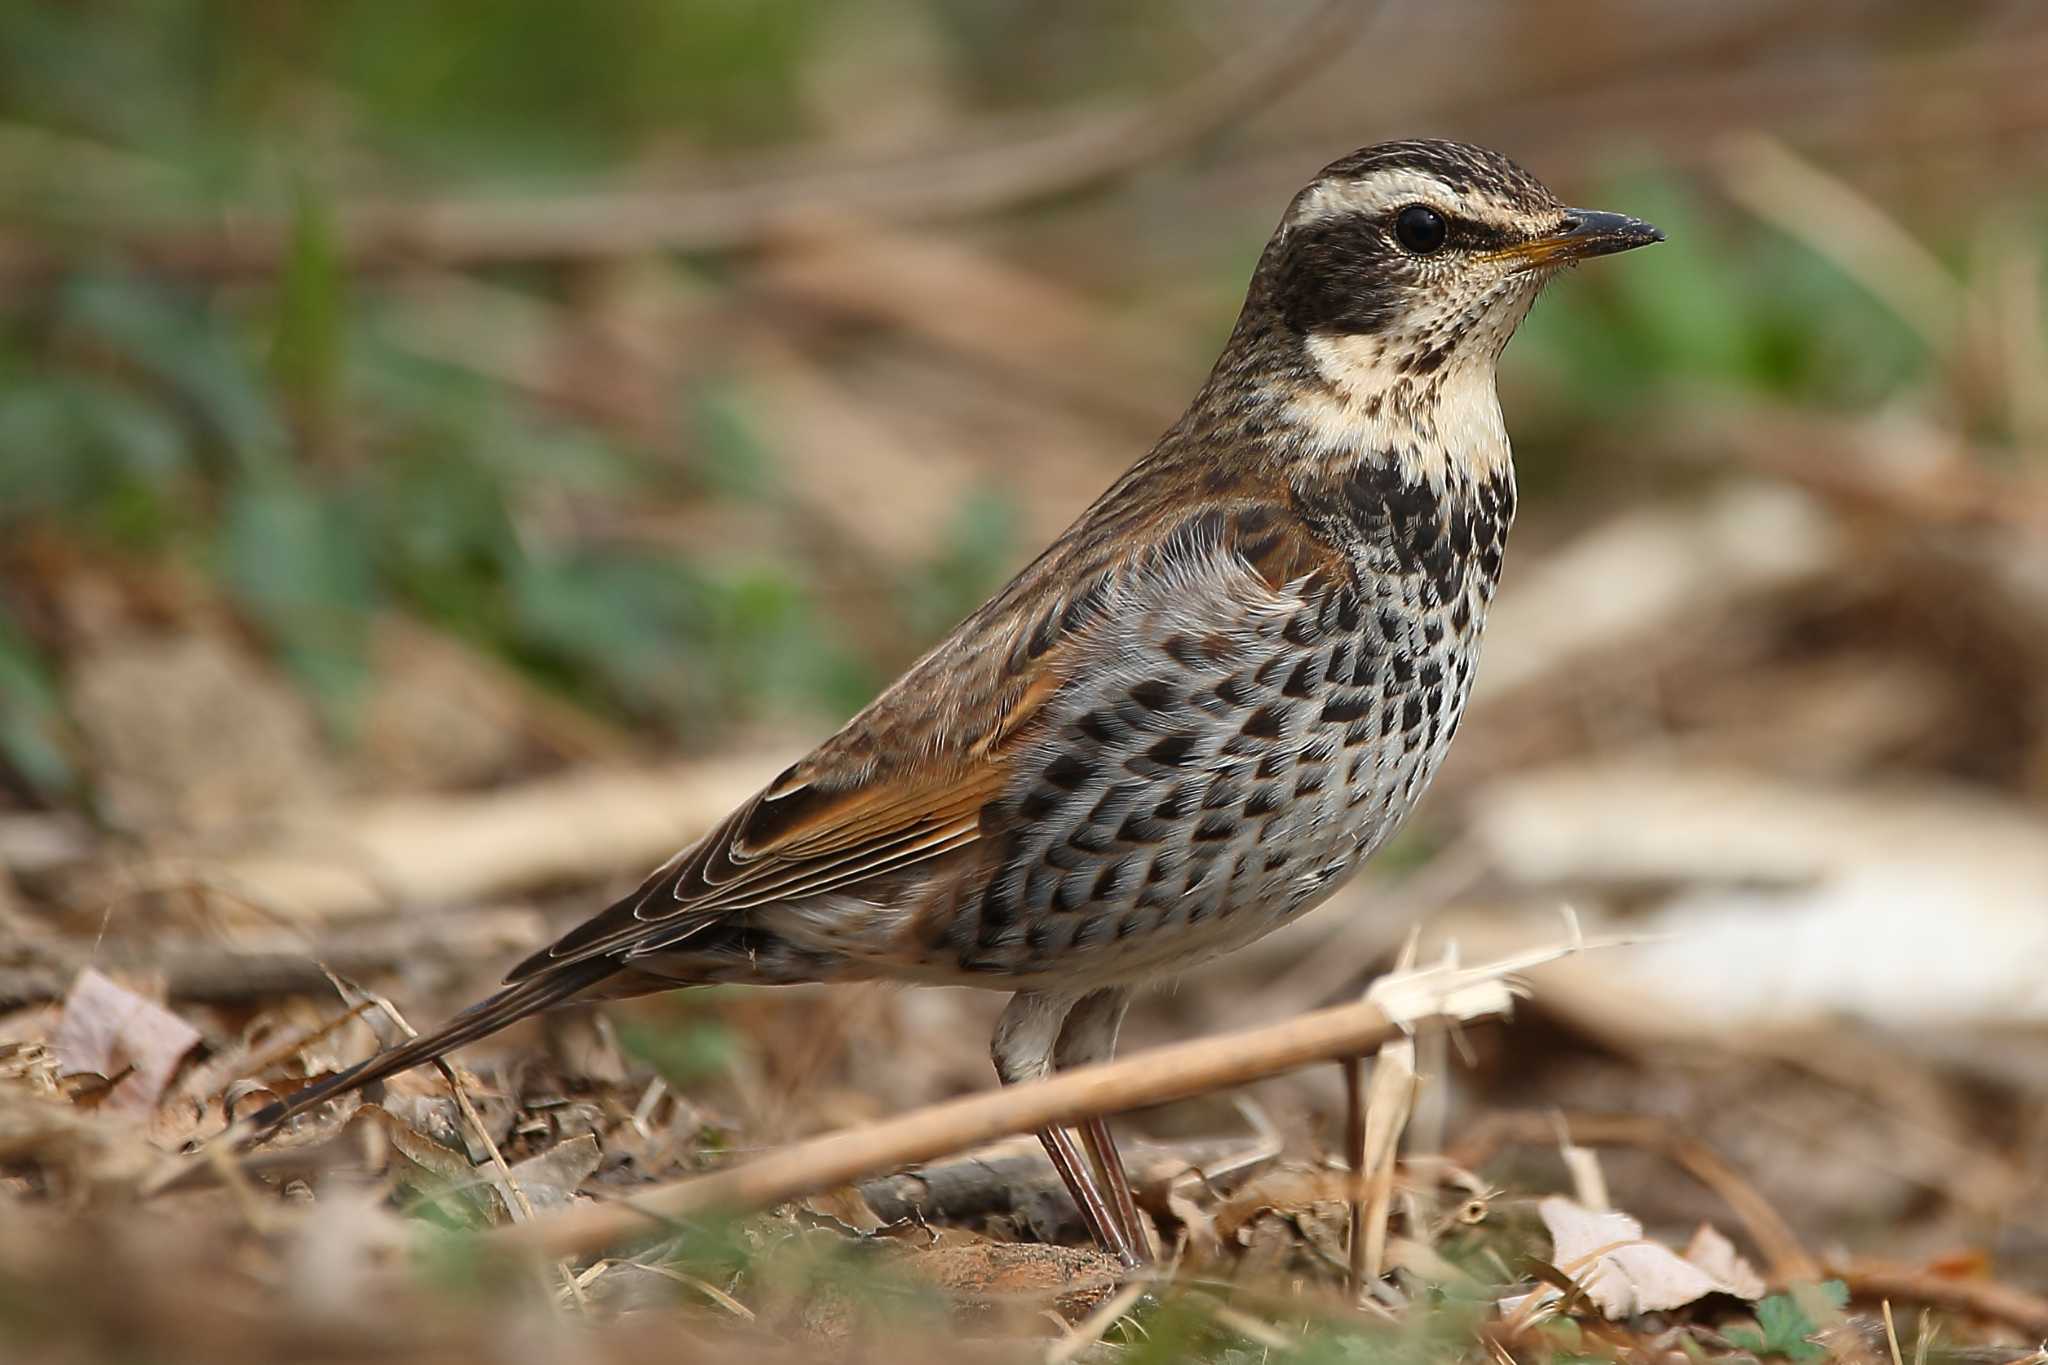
1089,1035
1074,1171
1023,1051
1109,1163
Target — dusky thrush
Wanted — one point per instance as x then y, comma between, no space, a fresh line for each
1192,717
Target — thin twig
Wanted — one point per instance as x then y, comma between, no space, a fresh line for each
238,972
1255,1330
1984,1298
1155,1076
518,1204
702,1286
258,1063
516,1197
1354,1163
1790,1261
1091,1328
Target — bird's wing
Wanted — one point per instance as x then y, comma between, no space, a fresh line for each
1211,751
909,779
800,837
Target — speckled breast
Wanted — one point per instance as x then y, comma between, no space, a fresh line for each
1252,754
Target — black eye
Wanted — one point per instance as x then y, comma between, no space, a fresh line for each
1420,229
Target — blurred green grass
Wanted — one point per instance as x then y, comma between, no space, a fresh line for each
1728,307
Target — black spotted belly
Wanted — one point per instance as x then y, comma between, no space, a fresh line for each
1181,813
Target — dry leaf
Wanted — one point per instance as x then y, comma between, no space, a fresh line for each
83,1150
108,1030
1716,1255
433,1172
1072,1279
1182,1204
1290,1190
1625,1274
332,1259
550,1180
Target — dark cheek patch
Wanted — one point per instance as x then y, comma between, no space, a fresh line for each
1336,277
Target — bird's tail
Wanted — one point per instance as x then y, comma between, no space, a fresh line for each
480,1020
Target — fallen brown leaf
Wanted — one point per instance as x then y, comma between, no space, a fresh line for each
108,1030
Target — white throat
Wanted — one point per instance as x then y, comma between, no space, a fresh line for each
1434,425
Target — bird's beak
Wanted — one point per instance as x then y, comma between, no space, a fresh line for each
1584,233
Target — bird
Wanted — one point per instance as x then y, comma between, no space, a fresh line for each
1191,718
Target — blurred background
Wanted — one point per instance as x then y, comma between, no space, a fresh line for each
449,454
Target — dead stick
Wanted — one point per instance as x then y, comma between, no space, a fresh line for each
226,972
1354,1158
1984,1298
1790,1262
1017,1178
1154,1076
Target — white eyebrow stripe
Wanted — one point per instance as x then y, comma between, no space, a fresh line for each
1373,195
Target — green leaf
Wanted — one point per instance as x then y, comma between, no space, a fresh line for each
87,449
1788,1322
666,639
731,458
301,564
617,622
190,350
683,1049
30,715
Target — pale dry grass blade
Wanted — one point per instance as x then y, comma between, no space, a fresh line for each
1847,227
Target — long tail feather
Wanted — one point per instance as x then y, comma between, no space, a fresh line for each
480,1020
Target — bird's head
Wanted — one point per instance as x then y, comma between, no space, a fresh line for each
1410,258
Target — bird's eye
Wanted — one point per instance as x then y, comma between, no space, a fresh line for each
1420,229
